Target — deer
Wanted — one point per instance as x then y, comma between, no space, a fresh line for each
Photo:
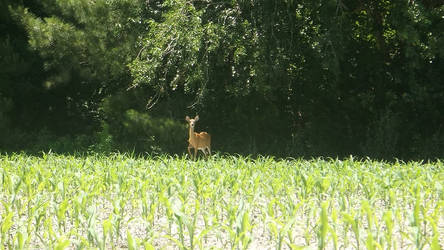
198,141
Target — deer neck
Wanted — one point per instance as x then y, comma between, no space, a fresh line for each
192,135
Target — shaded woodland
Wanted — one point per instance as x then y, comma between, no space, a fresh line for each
285,78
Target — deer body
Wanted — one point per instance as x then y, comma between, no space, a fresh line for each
198,141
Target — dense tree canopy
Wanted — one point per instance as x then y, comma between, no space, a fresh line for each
290,78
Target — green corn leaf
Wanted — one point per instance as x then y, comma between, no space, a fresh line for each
130,241
148,246
21,240
324,225
7,223
107,225
62,243
178,243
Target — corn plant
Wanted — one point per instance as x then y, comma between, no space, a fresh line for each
122,201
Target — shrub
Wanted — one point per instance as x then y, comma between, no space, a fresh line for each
141,132
383,136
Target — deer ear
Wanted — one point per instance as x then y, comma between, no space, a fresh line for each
187,118
196,118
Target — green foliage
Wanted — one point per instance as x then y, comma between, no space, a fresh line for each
334,74
383,136
170,54
129,127
5,107
152,135
83,48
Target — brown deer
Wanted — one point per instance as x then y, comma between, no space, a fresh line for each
201,141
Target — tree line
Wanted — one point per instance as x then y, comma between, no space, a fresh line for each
283,77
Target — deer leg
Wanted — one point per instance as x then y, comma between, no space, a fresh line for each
209,150
203,151
189,151
195,153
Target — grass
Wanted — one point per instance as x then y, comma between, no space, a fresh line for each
121,201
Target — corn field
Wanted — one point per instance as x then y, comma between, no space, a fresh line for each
231,202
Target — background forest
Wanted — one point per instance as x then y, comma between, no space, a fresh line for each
281,77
